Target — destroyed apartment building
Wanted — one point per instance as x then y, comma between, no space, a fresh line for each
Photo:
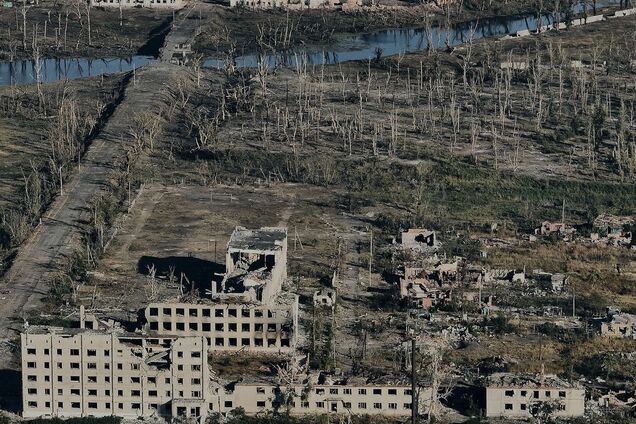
247,311
548,228
614,230
520,395
85,372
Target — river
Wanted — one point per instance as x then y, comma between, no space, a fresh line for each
348,47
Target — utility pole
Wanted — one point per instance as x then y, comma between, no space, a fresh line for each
61,186
370,254
563,212
413,383
573,304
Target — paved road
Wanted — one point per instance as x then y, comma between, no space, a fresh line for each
28,280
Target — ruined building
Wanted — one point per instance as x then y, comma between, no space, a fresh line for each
520,395
248,310
81,372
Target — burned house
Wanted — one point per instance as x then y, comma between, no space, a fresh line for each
613,230
521,395
425,288
619,325
325,298
248,311
550,282
419,239
504,275
81,372
548,228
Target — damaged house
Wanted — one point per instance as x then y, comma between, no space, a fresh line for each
426,288
520,395
618,324
419,239
248,311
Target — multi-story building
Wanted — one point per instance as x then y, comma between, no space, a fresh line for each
80,372
248,310
520,395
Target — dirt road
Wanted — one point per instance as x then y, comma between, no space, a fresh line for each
28,280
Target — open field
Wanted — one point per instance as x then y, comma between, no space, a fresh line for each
25,132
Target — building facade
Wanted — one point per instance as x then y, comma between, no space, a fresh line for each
390,400
519,396
77,373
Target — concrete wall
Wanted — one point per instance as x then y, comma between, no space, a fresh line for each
510,402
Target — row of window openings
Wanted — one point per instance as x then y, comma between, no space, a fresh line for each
194,326
73,352
91,405
219,313
524,407
93,352
93,379
93,366
535,394
120,393
247,342
347,405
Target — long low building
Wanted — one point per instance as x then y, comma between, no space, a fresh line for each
343,398
86,372
519,395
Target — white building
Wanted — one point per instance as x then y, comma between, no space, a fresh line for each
79,372
519,395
